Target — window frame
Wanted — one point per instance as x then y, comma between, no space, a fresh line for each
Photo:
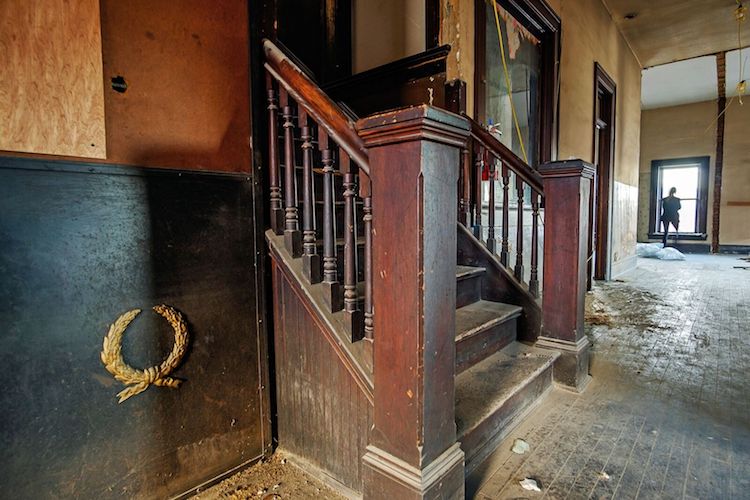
701,207
539,18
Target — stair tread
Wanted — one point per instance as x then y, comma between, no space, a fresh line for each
463,272
478,316
487,386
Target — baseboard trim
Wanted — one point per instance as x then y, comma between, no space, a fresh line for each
735,249
623,266
320,474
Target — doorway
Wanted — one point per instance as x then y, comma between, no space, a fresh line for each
605,94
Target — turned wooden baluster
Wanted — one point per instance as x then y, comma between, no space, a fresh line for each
310,257
518,270
479,166
350,248
504,248
292,235
330,273
464,185
534,278
491,242
277,210
365,193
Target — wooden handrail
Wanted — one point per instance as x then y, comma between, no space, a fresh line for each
504,154
317,104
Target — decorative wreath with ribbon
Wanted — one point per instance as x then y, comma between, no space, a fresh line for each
139,380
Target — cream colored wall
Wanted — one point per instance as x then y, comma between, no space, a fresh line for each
588,35
734,222
385,31
690,130
675,132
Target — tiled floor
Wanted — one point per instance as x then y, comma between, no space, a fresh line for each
667,414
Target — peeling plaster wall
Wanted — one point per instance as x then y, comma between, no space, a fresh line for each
589,35
457,30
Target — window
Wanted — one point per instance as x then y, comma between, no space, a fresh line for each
516,54
689,176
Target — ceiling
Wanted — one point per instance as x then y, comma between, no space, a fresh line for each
693,80
665,31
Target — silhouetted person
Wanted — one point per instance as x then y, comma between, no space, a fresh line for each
670,212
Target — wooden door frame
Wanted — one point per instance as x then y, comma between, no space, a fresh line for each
601,208
539,18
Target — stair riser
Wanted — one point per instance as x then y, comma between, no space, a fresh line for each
468,290
481,441
472,350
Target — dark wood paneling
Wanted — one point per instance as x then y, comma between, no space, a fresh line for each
323,415
79,245
413,80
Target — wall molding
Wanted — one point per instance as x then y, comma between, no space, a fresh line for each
84,167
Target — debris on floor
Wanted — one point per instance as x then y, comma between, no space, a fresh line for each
596,312
530,484
603,476
520,447
272,479
658,251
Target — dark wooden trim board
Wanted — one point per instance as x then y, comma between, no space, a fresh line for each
432,24
719,163
600,213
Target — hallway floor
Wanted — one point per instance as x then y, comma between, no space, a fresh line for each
667,413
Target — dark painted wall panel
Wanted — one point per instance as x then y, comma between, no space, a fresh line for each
78,249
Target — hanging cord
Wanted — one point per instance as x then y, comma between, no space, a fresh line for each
740,14
507,81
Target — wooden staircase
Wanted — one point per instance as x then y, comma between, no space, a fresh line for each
498,378
405,344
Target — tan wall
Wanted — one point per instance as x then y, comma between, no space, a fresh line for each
690,130
186,66
589,35
675,132
735,191
187,103
385,31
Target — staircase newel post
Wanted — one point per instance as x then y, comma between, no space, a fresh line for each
414,156
567,190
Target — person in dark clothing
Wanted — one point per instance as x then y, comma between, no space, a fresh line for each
670,212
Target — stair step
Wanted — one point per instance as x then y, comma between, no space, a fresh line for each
482,328
468,284
493,394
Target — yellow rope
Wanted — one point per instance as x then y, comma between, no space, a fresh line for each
740,14
507,81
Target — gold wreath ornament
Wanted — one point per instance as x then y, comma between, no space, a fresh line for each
139,380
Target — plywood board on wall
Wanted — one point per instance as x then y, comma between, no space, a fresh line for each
51,87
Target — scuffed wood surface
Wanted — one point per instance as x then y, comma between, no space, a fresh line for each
51,85
323,416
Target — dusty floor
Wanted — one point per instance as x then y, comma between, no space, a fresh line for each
273,479
666,415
